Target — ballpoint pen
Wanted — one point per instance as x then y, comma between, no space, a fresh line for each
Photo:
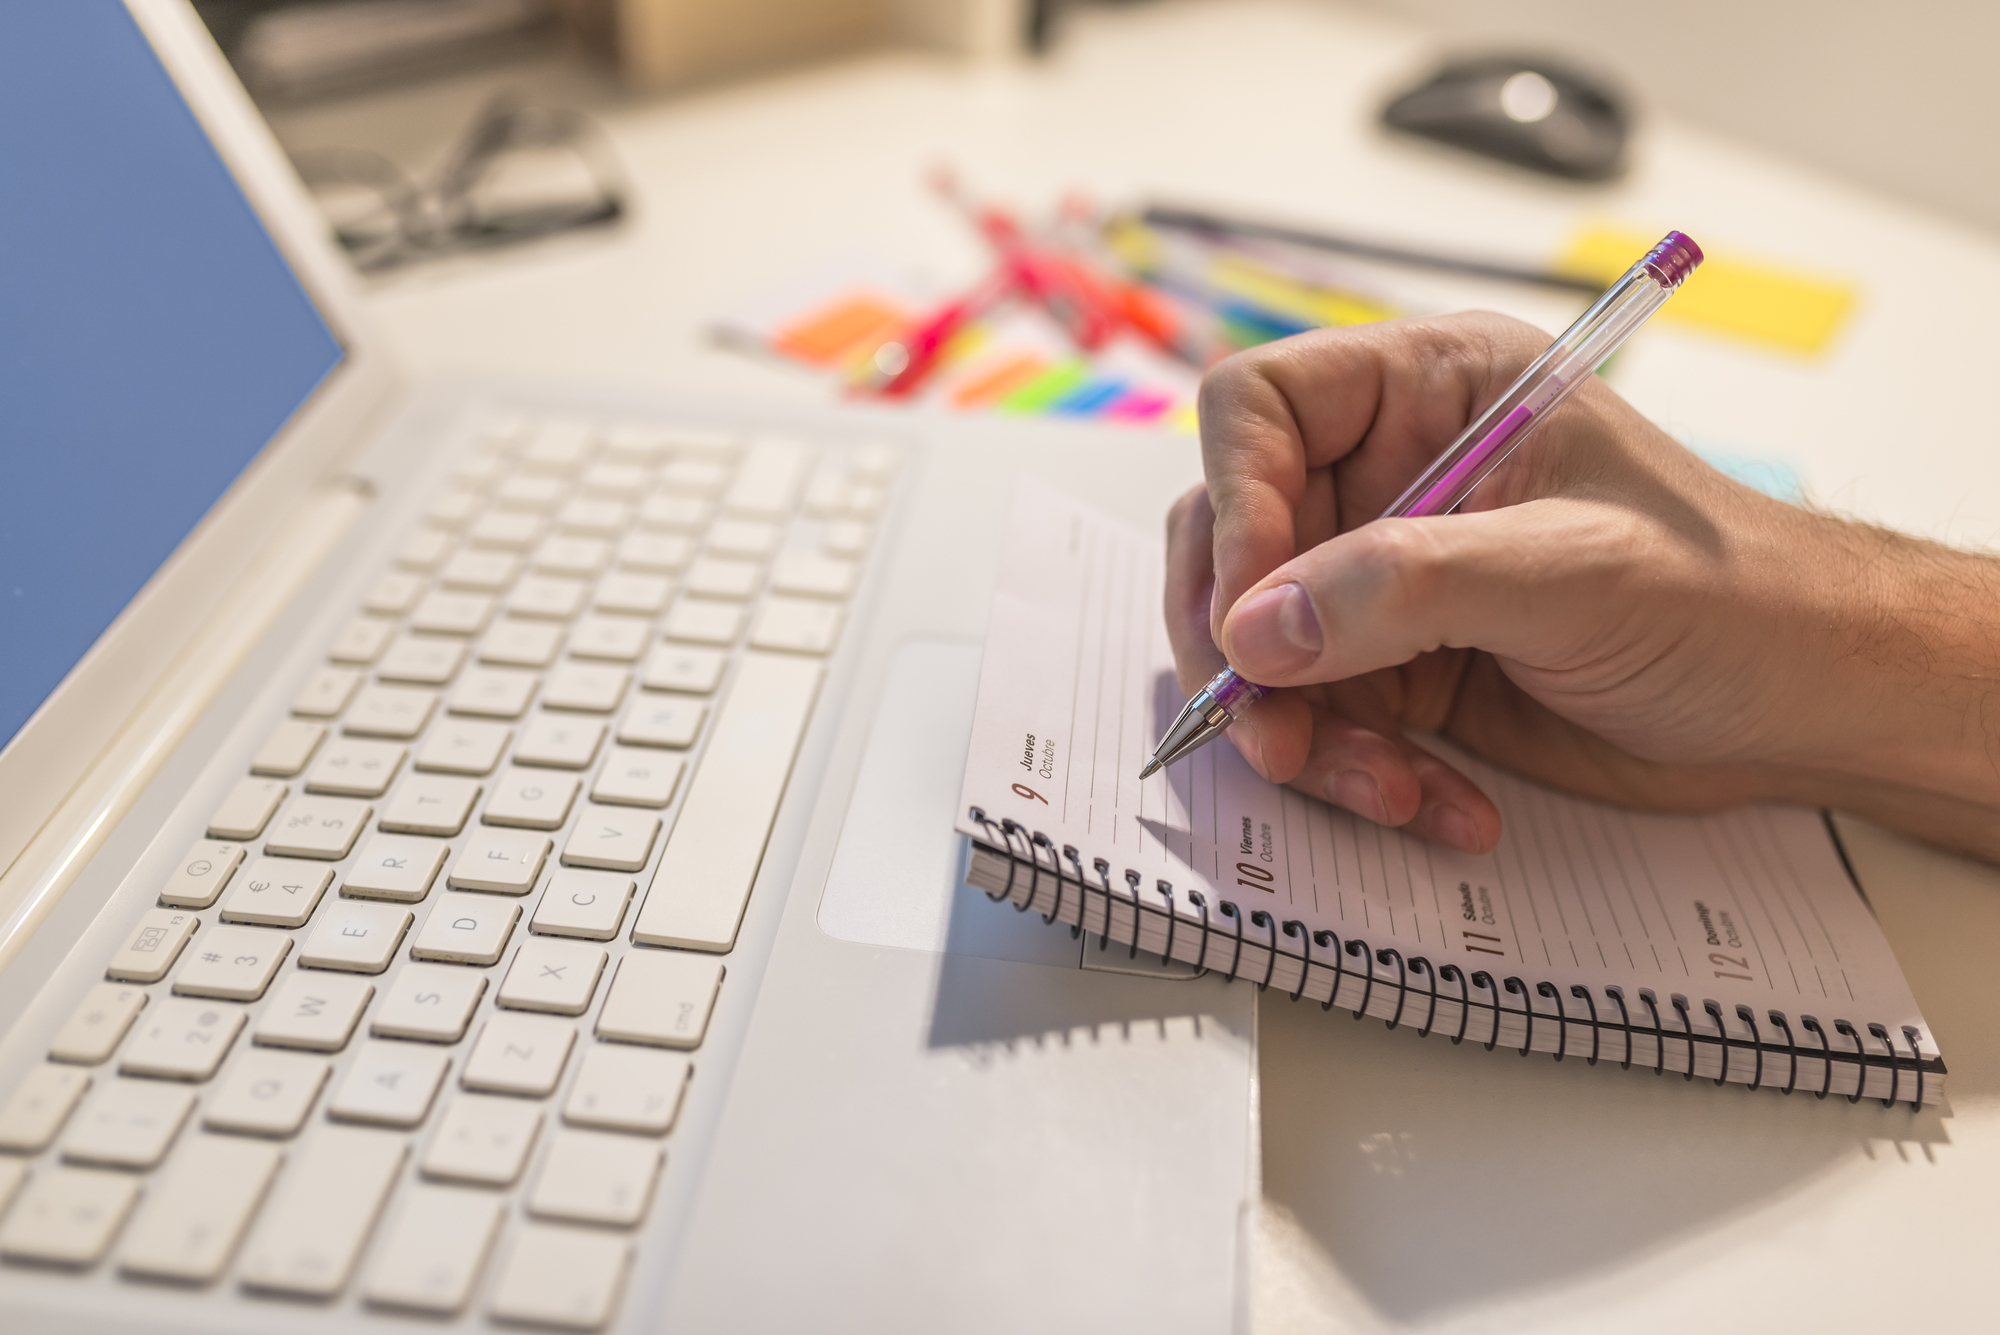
1581,349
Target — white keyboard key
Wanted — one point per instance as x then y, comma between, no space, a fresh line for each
703,882
429,1002
559,741
627,1089
203,873
677,667
875,461
287,750
355,936
566,1277
326,692
593,517
483,1138
637,443
432,1254
557,977
812,575
620,639
500,863
637,778
267,1093
389,1084
442,613
492,692
431,804
352,767
743,537
457,746
398,712
509,530
277,892
232,963
182,1039
480,472
547,598
395,593
560,445
589,904
128,1124
672,513
768,480
38,1108
611,839
393,868
662,721
531,799
315,1011
326,1205
797,625
13,1172
480,570
661,997
467,929
594,1178
423,549
422,660
68,1216
656,553
632,592
565,554
453,509
195,1212
585,688
504,432
362,641
318,827
246,810
519,1054
616,481
695,477
720,577
515,643
847,537
94,1030
703,621
153,947
537,495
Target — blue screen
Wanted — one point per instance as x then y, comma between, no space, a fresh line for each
152,338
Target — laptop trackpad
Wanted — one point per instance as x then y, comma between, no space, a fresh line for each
898,873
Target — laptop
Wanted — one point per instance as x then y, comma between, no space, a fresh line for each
481,854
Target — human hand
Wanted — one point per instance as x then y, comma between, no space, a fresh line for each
1607,614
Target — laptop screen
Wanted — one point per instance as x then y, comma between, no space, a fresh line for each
152,338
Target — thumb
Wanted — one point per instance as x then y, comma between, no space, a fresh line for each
1534,582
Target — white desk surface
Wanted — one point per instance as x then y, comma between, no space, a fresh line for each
1408,1186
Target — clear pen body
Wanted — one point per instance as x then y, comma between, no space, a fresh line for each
1498,431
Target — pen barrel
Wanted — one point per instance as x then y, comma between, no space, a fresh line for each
1550,379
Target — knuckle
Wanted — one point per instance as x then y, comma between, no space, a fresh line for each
1401,566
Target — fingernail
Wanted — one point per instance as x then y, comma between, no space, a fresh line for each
1359,793
1275,631
1453,827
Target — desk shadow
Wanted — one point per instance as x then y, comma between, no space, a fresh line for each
1438,1178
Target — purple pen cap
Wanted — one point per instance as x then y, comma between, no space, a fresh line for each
1673,259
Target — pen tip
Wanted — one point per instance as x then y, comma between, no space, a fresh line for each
1152,768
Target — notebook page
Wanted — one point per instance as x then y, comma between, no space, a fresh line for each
1749,907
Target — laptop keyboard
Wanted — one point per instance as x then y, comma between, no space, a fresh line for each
413,1022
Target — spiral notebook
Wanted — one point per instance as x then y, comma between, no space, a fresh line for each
1734,947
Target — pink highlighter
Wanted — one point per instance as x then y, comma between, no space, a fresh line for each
1583,347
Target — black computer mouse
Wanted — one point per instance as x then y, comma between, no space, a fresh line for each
1529,111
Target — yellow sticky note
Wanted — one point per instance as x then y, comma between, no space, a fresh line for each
1796,312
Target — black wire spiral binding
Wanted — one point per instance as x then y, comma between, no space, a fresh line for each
1617,994
1418,964
1259,918
1002,837
1384,955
